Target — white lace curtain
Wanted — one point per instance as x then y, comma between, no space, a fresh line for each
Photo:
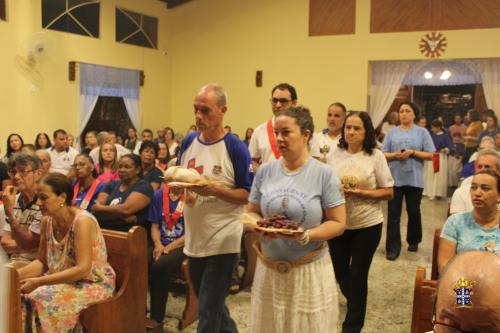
489,70
389,76
98,81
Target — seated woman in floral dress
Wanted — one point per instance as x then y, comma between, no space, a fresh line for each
71,271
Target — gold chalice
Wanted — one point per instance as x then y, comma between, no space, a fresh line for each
325,149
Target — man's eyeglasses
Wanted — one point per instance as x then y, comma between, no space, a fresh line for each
280,100
23,173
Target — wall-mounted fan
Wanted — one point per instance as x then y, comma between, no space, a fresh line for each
34,51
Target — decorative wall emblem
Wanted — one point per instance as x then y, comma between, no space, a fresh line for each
433,44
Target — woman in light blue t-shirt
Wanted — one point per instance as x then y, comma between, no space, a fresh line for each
405,148
477,229
294,286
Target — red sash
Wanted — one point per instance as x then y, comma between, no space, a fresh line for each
272,139
435,162
171,219
86,200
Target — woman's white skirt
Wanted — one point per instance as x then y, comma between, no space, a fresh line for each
303,300
436,184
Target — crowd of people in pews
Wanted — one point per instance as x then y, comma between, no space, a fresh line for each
56,200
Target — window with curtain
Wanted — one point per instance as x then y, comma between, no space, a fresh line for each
104,81
74,16
136,29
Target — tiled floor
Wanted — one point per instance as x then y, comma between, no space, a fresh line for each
390,295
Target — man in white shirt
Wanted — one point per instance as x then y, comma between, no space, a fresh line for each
461,202
213,227
324,143
262,145
61,155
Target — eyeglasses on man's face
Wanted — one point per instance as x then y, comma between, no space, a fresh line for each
23,172
280,100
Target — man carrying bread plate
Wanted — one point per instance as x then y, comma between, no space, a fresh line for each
213,227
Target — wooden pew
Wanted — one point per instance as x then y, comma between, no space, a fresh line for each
435,251
15,316
126,310
190,313
423,300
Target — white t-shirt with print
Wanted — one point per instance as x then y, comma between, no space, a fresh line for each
213,225
369,172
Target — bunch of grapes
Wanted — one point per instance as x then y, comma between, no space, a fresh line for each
278,222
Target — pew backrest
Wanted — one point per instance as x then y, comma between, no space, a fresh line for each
15,316
435,251
423,301
125,311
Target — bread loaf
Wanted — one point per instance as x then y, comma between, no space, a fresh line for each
181,174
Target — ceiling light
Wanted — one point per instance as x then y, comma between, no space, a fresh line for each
445,75
428,75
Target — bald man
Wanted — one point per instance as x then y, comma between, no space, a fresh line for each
482,315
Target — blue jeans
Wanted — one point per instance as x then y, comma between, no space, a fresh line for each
211,277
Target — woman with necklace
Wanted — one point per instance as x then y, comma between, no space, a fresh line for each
406,147
124,203
477,229
303,297
71,271
86,188
367,181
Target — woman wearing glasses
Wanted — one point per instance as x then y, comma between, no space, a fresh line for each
86,188
477,229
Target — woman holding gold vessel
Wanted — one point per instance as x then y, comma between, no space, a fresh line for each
367,180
